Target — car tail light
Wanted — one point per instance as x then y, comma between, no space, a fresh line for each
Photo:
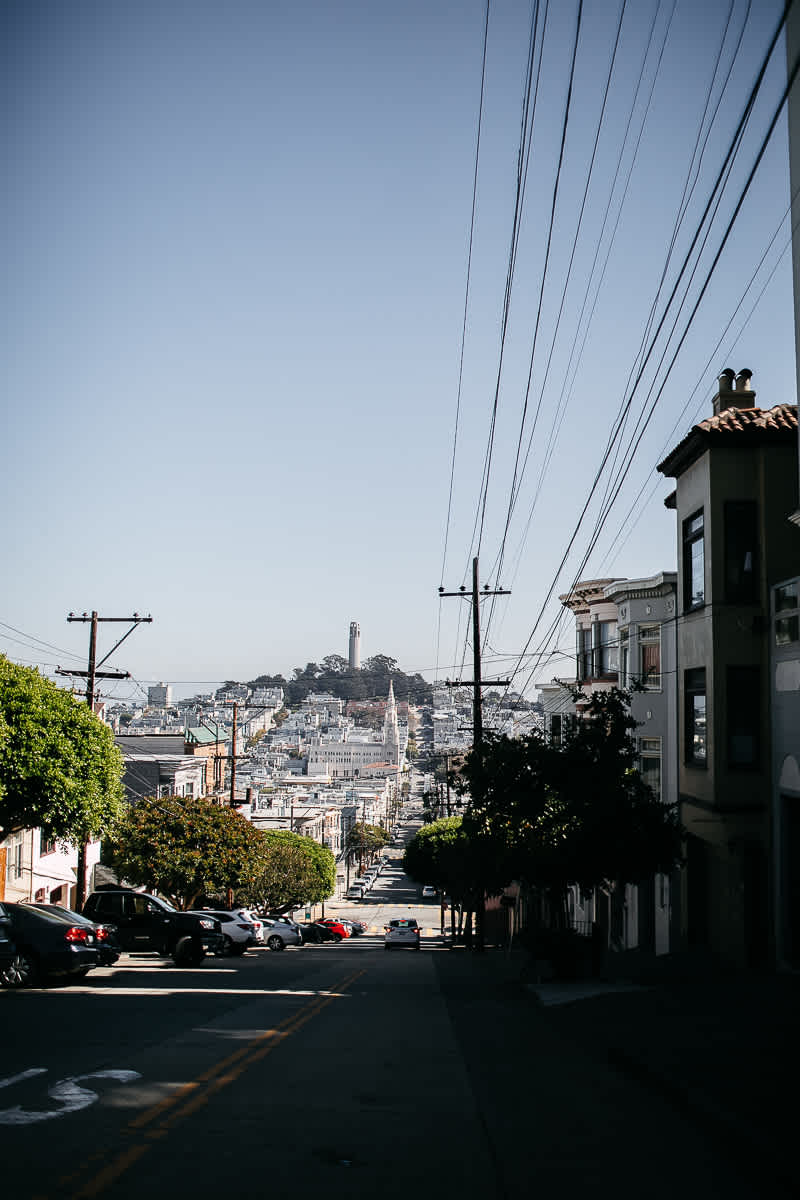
101,934
78,933
247,928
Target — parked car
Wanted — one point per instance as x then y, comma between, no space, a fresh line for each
46,947
280,932
429,892
358,927
337,926
356,891
316,932
7,947
240,928
147,922
401,932
106,936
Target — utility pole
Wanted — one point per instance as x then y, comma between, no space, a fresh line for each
233,755
92,674
476,683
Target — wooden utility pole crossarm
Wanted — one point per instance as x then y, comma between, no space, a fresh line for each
476,683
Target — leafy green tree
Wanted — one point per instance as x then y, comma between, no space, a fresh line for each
441,854
60,770
575,813
365,841
293,871
334,664
185,847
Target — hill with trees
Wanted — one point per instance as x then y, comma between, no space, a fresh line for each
335,676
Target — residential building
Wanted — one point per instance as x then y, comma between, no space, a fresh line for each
785,640
625,637
736,486
646,635
159,696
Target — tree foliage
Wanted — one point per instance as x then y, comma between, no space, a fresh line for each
443,855
293,871
60,770
334,675
184,847
575,813
366,839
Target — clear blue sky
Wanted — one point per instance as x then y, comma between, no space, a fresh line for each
235,245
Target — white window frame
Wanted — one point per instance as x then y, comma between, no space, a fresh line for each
650,751
650,635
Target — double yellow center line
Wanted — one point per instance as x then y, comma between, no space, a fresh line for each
157,1121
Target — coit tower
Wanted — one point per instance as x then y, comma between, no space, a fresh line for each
354,658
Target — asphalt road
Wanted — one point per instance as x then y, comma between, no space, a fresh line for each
329,1071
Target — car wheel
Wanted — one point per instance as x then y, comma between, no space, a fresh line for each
238,949
22,971
275,943
337,937
227,947
186,954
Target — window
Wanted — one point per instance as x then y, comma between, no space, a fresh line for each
650,763
695,732
787,613
606,658
46,845
623,658
650,656
585,653
744,717
555,729
188,789
14,858
741,551
694,587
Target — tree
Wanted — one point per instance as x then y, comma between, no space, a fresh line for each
184,847
575,813
440,854
293,871
60,770
366,841
334,664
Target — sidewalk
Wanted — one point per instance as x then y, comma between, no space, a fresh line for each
723,1049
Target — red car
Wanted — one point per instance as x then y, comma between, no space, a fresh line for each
335,926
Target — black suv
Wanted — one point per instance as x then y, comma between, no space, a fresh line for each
146,922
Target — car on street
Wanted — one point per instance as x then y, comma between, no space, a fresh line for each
402,931
356,891
336,926
7,947
240,929
358,927
280,932
429,892
46,947
106,936
147,922
314,932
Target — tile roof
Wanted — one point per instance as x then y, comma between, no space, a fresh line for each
735,427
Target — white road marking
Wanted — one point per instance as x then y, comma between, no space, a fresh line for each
67,1093
22,1075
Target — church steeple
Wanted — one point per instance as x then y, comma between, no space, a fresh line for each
391,734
